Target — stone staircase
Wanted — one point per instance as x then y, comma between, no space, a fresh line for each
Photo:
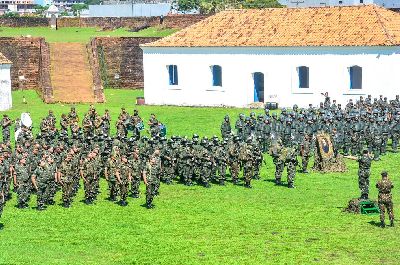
70,73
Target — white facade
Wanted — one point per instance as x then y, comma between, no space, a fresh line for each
5,87
326,3
328,72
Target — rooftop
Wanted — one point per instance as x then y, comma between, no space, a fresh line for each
4,60
367,25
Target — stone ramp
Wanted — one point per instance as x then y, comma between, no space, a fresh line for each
71,74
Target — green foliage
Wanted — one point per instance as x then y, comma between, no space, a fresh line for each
77,8
10,15
213,6
93,2
82,35
40,10
194,225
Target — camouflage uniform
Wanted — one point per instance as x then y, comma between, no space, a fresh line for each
226,128
291,162
246,158
364,172
112,169
125,174
221,157
6,125
89,171
234,163
385,186
67,179
152,176
44,174
23,181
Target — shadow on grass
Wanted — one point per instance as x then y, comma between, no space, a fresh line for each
1,226
273,181
375,223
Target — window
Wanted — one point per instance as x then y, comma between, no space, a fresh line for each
173,75
303,72
361,1
355,77
216,75
340,2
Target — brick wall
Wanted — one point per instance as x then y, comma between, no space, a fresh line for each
28,56
121,61
172,21
24,22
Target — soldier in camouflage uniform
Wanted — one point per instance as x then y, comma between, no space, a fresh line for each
6,125
222,159
234,162
2,183
364,172
66,178
385,202
124,176
291,162
151,178
168,163
246,158
41,178
88,171
279,161
258,158
206,164
111,173
22,181
226,128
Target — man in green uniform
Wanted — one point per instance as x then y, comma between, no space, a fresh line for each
111,173
41,179
151,177
226,128
66,178
22,181
6,125
385,202
364,172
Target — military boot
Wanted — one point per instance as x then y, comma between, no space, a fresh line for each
382,224
392,223
278,182
221,182
291,185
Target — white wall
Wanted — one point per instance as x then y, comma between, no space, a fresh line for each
328,72
5,87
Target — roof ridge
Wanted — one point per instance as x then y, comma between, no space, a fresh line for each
390,38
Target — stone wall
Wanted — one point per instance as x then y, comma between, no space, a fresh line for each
24,22
121,61
171,21
95,67
30,68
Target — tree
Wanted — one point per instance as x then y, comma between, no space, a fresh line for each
10,15
93,2
40,10
213,6
77,8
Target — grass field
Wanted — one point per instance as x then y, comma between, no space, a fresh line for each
82,35
194,225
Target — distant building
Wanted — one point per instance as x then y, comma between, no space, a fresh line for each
5,83
17,6
284,55
66,4
52,11
391,4
130,10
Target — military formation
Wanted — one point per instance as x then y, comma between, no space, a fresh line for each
58,159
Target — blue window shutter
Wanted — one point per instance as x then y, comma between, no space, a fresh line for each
175,75
217,75
351,77
171,73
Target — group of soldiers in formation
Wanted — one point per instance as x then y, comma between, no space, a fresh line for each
58,158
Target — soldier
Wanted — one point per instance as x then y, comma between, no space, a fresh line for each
234,162
226,128
73,118
291,162
207,162
22,181
222,159
168,162
385,187
88,172
305,152
137,123
2,183
278,159
364,172
239,126
41,179
112,170
6,125
64,124
246,158
258,159
151,178
154,125
124,177
66,179
106,122
136,173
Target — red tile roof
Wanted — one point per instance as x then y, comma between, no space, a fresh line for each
4,60
367,25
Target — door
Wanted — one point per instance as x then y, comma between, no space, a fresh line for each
258,87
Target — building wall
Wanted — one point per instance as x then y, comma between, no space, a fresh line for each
5,87
121,61
329,71
129,10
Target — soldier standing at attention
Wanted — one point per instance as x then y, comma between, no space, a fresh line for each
112,170
66,178
124,176
150,178
226,128
41,179
5,125
385,186
364,172
22,182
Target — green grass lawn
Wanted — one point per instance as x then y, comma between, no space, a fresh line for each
194,225
82,35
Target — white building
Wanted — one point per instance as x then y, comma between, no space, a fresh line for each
393,4
284,55
5,84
